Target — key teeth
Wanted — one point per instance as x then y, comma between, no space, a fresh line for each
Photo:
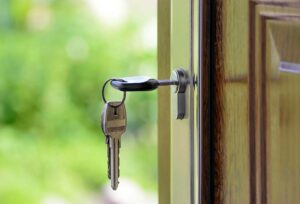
119,167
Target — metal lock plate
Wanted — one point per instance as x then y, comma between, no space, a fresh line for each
181,76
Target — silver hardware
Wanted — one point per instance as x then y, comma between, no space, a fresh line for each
182,80
114,124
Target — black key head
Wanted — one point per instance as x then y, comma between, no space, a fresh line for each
135,84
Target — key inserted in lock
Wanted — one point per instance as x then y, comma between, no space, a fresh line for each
179,78
140,83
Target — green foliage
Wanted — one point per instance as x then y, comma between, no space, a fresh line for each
51,72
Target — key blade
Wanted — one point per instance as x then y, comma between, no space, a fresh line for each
114,162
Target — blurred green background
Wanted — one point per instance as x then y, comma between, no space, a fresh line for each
54,57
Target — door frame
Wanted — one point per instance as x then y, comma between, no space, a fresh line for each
164,122
166,16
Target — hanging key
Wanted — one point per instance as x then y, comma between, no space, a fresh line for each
114,123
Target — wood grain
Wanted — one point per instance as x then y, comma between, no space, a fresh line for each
261,13
226,172
207,142
229,101
268,91
246,102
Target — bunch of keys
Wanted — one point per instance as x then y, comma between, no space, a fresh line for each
113,123
113,118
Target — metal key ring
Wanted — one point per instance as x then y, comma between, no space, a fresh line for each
103,94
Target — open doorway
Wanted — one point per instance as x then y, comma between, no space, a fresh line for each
54,57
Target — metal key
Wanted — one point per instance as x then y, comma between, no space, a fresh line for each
114,125
106,141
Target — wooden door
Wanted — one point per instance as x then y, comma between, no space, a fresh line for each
246,55
253,91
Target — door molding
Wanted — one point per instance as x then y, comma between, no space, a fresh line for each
164,124
262,13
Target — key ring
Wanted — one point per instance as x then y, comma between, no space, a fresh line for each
103,93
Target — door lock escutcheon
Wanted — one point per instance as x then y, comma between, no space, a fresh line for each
179,78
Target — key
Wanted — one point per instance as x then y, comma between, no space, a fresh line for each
107,142
114,125
140,83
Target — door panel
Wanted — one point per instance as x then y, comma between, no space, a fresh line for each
282,117
253,96
277,33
